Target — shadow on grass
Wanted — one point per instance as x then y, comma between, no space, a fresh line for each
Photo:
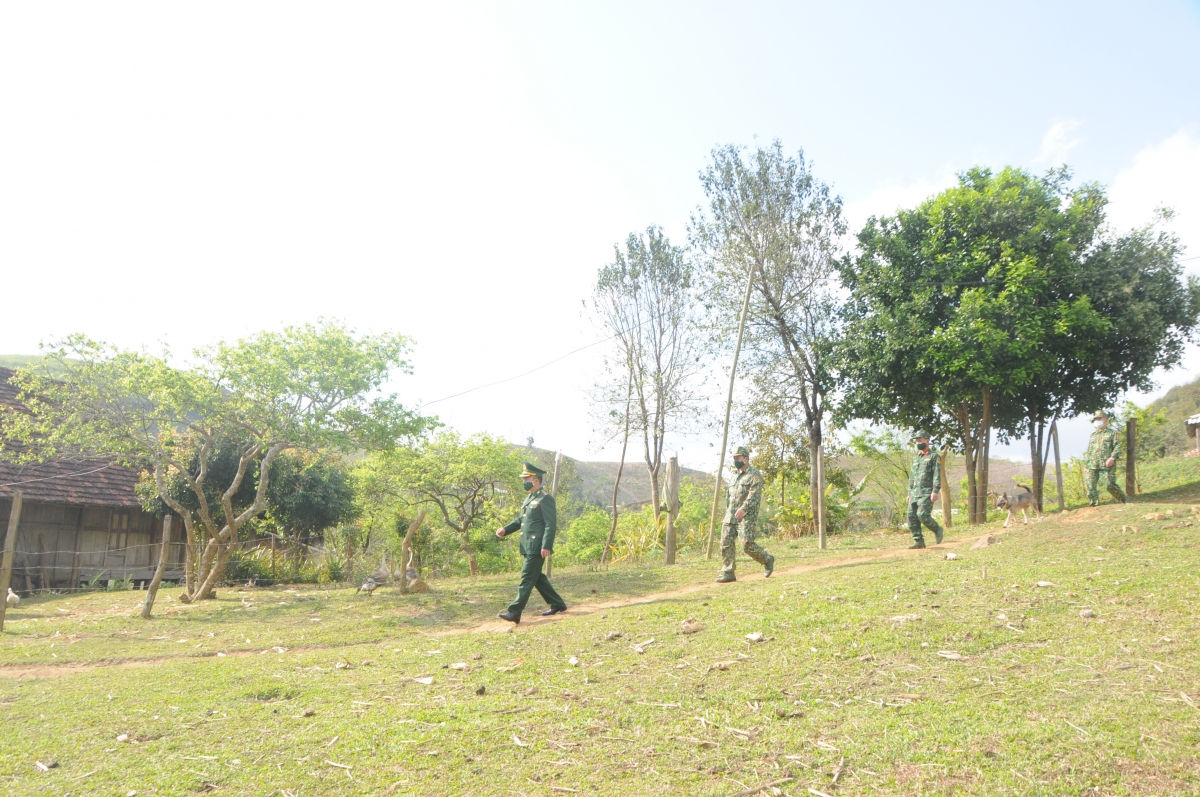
1181,493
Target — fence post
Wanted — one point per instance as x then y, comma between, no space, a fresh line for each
944,489
1131,457
10,544
1058,477
672,508
818,500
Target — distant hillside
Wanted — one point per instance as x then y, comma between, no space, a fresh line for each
16,361
1180,402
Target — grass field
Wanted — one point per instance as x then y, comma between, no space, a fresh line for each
880,672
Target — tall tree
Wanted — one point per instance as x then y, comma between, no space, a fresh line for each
310,388
769,217
646,300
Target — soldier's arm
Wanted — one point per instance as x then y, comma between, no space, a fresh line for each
550,518
511,527
1115,456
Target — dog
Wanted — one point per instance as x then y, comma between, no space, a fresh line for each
1018,502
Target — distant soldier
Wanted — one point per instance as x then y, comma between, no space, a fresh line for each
741,518
1103,451
924,478
538,523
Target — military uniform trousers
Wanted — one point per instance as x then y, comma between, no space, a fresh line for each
921,511
533,578
1092,482
747,529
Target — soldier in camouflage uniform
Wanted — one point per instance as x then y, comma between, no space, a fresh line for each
741,518
924,478
1103,451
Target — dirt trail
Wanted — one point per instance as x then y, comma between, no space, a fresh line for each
499,626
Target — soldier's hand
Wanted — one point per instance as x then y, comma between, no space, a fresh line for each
1110,462
546,553
738,515
500,533
933,497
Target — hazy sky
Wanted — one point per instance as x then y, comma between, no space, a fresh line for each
184,173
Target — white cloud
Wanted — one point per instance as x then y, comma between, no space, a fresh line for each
1162,175
1057,142
887,199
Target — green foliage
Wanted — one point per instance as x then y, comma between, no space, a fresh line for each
311,388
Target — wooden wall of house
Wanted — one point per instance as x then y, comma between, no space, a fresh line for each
119,543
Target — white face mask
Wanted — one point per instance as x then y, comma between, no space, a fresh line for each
1099,424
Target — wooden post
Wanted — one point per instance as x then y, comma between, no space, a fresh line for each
274,575
944,489
737,350
554,493
1131,457
406,548
1058,477
75,567
164,553
42,578
818,500
672,485
10,544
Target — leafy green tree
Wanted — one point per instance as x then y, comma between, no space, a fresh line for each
770,218
469,482
1000,304
309,388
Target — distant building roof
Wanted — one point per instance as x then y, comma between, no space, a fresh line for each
1192,423
64,481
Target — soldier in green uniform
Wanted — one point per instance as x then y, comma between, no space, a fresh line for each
741,518
538,523
924,478
1103,451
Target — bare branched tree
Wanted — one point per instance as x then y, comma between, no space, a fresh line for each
645,299
769,215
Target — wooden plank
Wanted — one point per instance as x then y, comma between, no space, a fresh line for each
10,541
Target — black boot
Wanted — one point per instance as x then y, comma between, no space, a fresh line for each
515,619
554,610
770,567
917,544
726,578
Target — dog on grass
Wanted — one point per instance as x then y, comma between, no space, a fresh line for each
1018,502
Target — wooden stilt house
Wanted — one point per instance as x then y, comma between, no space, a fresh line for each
80,520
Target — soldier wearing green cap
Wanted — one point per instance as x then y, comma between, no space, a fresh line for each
924,478
741,518
538,523
1103,451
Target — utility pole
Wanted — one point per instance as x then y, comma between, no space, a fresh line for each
1058,479
737,350
818,500
553,492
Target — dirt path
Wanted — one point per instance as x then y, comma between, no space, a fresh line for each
499,626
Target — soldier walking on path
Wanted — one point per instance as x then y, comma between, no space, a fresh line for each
1103,451
538,523
741,518
923,479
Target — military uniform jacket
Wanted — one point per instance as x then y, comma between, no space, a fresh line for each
924,477
1105,444
745,492
538,523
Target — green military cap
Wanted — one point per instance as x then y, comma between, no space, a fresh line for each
1100,414
921,433
741,451
533,470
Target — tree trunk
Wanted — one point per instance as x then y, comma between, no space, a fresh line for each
985,431
620,467
470,552
967,432
164,553
1035,461
1131,457
406,549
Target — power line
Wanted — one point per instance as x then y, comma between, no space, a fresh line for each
59,476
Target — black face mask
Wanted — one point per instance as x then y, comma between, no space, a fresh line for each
527,485
922,446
